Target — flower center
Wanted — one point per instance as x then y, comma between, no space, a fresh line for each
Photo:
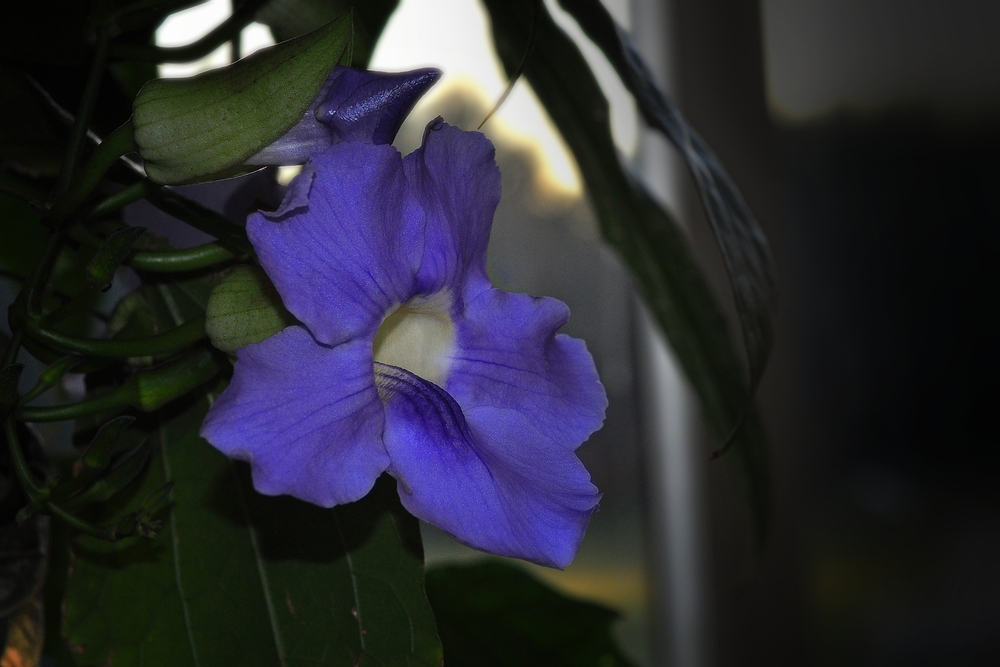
419,337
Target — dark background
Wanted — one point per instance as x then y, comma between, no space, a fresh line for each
881,398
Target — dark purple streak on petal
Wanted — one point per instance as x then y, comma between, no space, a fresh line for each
512,494
307,417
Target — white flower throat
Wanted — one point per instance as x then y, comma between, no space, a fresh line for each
419,337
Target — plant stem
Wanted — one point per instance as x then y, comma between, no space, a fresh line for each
82,123
189,259
122,198
120,397
24,475
162,344
115,145
200,217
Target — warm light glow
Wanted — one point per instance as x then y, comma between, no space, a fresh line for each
190,25
453,35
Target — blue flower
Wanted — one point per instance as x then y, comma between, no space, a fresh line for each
407,360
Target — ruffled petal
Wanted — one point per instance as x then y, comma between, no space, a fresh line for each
455,179
343,260
508,356
509,492
307,417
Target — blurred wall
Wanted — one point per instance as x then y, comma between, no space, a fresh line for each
872,163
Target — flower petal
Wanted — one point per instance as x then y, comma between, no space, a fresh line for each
307,417
343,261
456,181
509,357
507,492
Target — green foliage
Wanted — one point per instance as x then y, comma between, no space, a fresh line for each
239,578
744,248
244,308
649,241
494,615
203,128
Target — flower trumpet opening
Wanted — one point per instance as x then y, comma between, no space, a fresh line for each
418,336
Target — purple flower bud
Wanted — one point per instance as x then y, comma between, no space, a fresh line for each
353,105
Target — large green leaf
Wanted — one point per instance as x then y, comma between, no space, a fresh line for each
236,578
648,239
495,615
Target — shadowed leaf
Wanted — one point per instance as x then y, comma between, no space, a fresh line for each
647,238
237,578
495,615
744,248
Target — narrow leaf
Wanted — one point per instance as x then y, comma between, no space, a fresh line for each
647,238
741,241
125,470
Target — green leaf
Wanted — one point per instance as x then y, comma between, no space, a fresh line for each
244,308
236,578
495,615
648,240
741,241
203,128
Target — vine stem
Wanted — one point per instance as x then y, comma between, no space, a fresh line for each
116,144
87,104
162,344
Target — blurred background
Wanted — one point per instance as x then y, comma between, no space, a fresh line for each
865,136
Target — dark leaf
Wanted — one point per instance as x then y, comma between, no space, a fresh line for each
494,615
650,242
744,248
126,468
236,578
